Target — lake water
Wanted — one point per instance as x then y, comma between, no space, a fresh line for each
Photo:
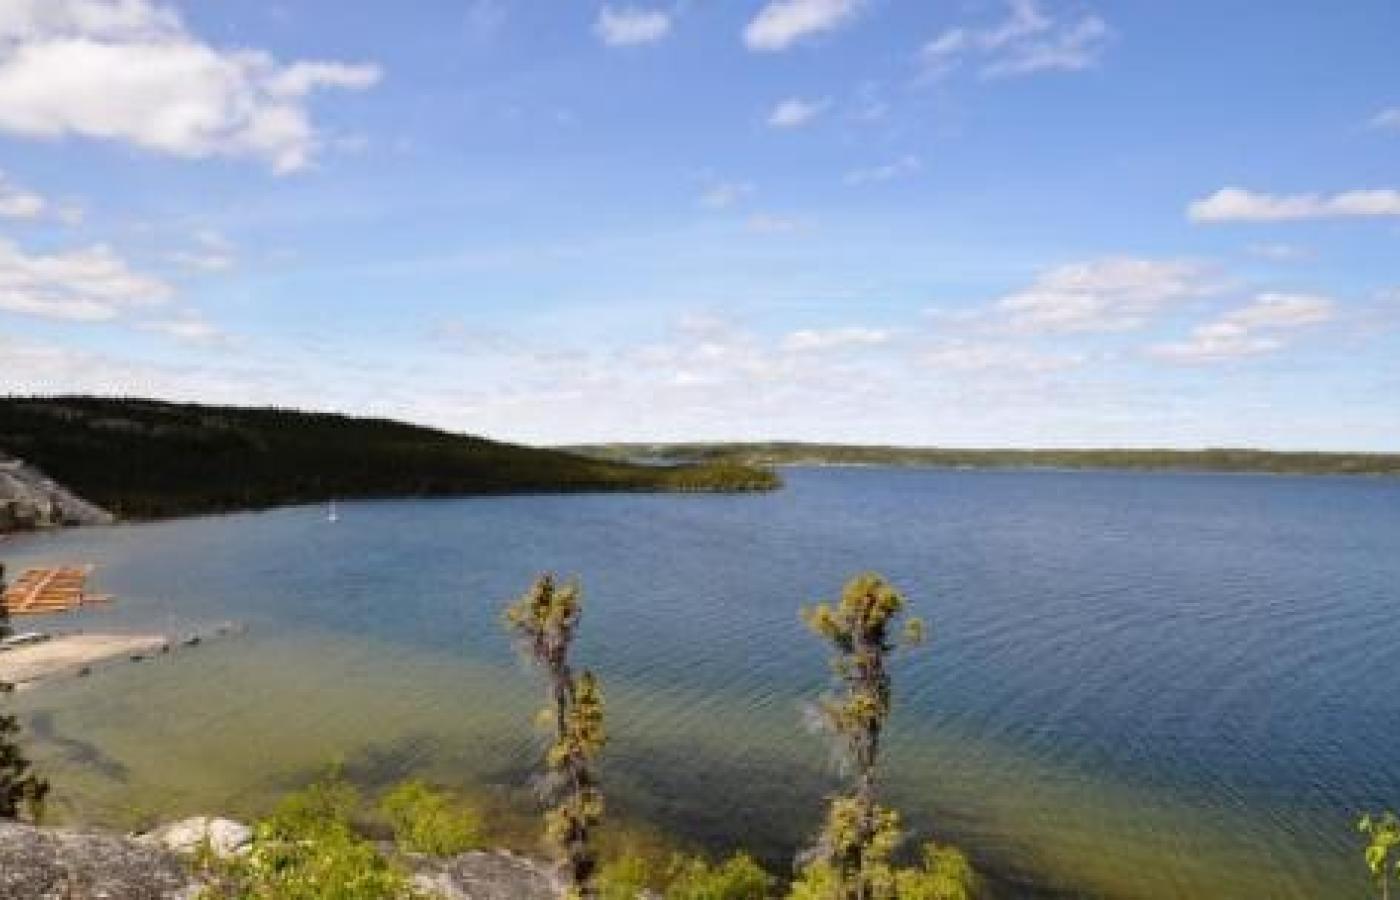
1139,685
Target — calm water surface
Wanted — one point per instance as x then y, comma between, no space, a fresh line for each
1139,685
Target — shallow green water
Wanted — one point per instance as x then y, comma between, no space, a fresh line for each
1139,685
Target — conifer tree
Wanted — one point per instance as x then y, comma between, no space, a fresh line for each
546,619
852,859
20,788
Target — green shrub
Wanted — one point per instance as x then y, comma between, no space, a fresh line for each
307,850
736,878
624,878
428,821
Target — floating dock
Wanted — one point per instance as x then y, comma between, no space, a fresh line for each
52,590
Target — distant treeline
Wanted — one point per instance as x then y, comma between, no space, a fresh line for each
1208,460
147,459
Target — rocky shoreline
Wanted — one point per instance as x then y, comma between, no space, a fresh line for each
38,863
29,499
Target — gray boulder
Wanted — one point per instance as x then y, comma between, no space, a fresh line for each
30,499
62,864
225,836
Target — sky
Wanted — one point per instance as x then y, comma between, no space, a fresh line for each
945,222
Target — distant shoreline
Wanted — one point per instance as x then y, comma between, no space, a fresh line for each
1222,461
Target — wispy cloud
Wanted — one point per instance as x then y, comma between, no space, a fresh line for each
630,26
18,202
132,72
725,194
1239,205
1113,294
771,223
212,252
795,112
1388,119
93,284
964,355
1253,330
903,167
1281,252
1028,41
810,340
782,23
188,328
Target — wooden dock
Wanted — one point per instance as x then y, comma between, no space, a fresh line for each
52,590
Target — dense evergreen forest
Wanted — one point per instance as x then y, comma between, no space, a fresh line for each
146,459
1208,460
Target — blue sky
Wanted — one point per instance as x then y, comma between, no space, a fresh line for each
973,222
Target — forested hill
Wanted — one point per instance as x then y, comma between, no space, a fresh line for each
1210,460
145,459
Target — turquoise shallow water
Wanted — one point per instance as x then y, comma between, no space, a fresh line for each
1139,685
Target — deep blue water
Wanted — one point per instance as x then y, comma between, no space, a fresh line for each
1139,684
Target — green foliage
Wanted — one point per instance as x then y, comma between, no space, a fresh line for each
854,855
863,628
146,459
308,850
737,878
945,874
685,877
20,789
624,877
545,619
1383,835
428,821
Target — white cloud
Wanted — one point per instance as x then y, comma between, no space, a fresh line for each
1281,252
781,23
1028,41
961,355
795,112
1387,118
88,285
187,328
1216,342
212,252
815,340
1236,335
725,194
901,168
1277,310
129,71
1114,294
19,203
1238,205
769,223
631,26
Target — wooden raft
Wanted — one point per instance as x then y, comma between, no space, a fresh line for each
45,591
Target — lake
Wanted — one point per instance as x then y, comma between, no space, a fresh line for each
1138,685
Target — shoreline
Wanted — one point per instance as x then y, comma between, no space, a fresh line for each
78,654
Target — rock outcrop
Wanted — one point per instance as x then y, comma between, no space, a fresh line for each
62,864
70,864
30,499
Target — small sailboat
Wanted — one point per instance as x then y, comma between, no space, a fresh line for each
332,515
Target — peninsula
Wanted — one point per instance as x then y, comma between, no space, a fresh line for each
141,459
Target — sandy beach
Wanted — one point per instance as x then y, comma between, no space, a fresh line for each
23,666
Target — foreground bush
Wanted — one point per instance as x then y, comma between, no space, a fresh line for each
308,850
428,821
685,878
